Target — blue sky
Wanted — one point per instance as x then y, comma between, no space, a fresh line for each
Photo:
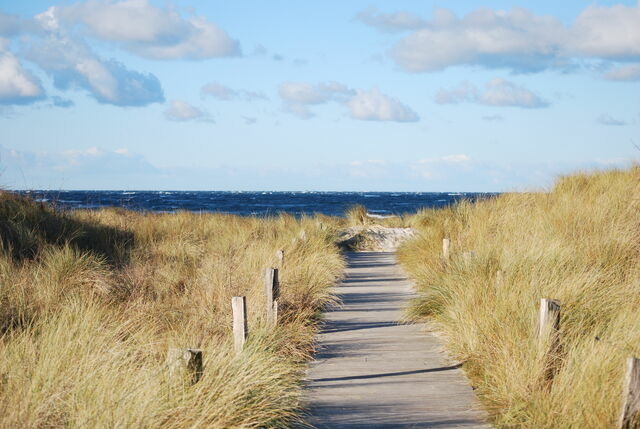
332,95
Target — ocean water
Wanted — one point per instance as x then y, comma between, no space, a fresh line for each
255,203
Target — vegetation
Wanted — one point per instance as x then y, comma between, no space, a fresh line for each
578,243
91,301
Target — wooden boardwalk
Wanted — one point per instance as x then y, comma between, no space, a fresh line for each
371,372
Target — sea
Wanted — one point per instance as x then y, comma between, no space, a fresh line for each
265,203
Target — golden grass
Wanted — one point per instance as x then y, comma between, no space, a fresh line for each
580,244
91,301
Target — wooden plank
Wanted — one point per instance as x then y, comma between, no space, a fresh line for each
630,413
373,371
446,249
240,327
271,292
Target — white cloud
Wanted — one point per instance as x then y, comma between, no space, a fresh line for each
517,39
149,31
397,21
297,96
372,105
498,92
608,32
224,93
17,85
182,111
369,105
608,120
628,72
73,64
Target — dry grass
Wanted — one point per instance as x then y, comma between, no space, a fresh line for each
91,301
580,244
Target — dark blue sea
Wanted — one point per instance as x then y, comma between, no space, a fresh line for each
255,203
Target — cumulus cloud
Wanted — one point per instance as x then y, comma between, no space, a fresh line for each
369,105
17,85
372,105
607,32
297,96
73,64
396,21
181,111
608,120
498,92
627,72
517,39
224,93
149,31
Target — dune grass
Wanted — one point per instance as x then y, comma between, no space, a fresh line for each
578,243
90,302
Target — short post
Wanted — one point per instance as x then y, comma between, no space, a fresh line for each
446,247
630,413
240,328
272,293
185,363
467,257
498,279
548,333
280,256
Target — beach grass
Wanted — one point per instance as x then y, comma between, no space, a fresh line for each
579,243
90,302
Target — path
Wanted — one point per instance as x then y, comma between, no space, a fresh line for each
371,372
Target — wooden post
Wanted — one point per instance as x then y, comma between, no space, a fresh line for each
446,247
280,256
185,363
630,413
498,279
548,337
271,292
548,319
240,328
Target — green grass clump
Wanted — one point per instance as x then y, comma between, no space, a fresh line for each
90,302
578,243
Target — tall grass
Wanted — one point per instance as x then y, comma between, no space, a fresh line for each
91,301
578,243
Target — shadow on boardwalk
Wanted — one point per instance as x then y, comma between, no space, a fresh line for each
371,371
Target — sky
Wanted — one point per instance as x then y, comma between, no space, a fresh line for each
328,96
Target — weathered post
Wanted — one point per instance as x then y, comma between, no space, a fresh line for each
498,279
446,247
185,363
548,334
630,413
280,256
468,257
240,328
272,293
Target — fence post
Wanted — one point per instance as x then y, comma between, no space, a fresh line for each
240,328
280,256
185,363
548,334
631,395
446,246
498,279
272,293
